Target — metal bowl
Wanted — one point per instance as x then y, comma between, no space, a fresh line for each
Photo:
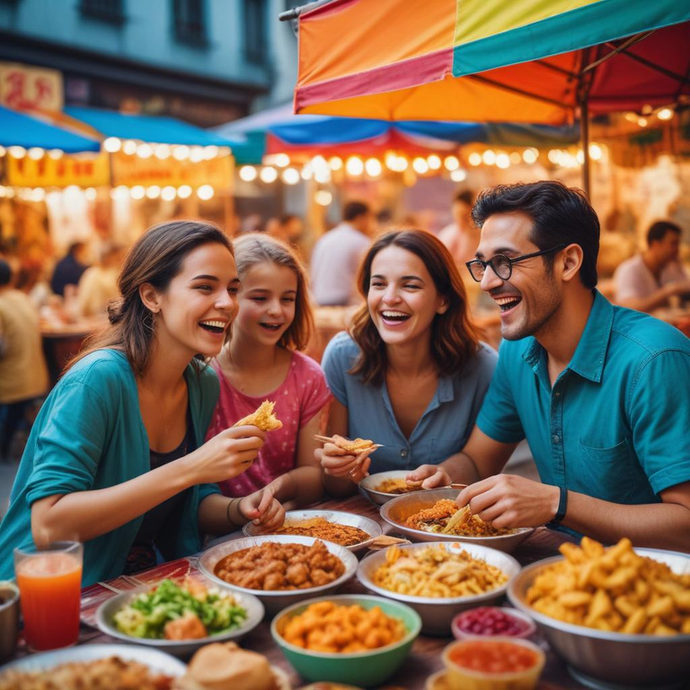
597,658
274,601
372,528
438,612
182,648
395,513
367,487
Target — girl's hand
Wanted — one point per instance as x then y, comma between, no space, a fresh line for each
340,463
431,476
263,508
226,455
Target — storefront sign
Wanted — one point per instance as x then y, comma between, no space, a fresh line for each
133,171
83,171
30,88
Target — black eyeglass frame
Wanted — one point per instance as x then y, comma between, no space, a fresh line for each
510,261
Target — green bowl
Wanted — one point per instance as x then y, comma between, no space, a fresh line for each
364,669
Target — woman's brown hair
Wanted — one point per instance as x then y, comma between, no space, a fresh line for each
454,340
256,248
156,258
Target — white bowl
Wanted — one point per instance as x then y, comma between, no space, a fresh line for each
372,528
367,487
274,601
437,613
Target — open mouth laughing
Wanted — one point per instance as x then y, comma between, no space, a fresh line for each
271,327
215,326
392,317
507,302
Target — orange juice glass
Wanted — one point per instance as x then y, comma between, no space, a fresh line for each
50,591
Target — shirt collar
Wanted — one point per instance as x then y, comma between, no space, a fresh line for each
590,354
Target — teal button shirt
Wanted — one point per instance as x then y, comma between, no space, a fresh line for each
616,424
89,435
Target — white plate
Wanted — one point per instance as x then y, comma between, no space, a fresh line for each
156,660
367,487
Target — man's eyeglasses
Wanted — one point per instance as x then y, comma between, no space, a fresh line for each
502,265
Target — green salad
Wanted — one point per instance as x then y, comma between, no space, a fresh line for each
175,612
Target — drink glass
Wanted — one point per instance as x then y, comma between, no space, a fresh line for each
50,586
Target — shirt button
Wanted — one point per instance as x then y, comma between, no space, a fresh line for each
558,394
403,453
556,438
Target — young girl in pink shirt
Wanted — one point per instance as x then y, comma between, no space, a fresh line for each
261,360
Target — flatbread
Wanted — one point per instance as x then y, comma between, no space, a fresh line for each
355,446
262,418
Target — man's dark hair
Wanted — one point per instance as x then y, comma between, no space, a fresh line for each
74,248
5,273
660,229
287,217
465,197
355,209
560,215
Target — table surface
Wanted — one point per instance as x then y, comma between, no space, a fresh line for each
425,658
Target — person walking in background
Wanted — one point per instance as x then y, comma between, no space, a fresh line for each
23,370
98,284
337,256
647,280
288,228
69,270
461,237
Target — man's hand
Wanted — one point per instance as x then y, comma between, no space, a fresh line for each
431,476
506,500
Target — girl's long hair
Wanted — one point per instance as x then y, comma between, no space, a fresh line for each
257,248
156,258
454,339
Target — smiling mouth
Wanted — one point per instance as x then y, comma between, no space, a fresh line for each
271,326
394,316
507,303
213,326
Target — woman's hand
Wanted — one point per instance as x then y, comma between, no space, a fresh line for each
431,476
340,463
226,455
263,509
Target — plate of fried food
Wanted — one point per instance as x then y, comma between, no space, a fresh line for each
617,615
179,617
381,487
281,569
354,532
433,515
438,579
112,666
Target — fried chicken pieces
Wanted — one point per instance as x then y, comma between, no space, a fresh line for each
272,566
263,418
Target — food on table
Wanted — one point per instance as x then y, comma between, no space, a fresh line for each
384,541
613,589
263,418
397,486
320,528
112,673
436,572
356,446
329,627
274,566
444,517
491,621
219,666
493,656
188,611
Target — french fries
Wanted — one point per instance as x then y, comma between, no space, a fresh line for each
613,589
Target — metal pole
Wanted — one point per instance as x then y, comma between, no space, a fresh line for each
584,137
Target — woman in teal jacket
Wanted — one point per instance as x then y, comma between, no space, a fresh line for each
116,457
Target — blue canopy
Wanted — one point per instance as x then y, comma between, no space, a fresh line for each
155,130
20,129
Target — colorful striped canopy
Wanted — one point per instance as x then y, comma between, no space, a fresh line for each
491,60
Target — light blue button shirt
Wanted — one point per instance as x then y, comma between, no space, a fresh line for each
616,423
442,430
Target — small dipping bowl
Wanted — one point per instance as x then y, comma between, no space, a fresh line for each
498,652
492,621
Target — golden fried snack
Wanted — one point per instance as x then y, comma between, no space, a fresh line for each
329,627
356,446
263,418
613,589
438,517
436,572
397,486
319,527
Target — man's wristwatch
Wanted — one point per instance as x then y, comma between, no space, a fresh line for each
562,506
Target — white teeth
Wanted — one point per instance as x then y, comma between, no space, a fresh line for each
215,324
394,313
505,300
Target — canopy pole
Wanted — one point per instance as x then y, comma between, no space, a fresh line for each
584,137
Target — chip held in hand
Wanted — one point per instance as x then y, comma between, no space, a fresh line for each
263,418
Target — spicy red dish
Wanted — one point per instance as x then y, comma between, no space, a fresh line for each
493,656
490,621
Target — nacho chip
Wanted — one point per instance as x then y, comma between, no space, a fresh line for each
263,418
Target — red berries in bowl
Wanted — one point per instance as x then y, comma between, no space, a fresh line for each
492,621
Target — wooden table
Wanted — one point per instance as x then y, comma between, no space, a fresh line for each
425,658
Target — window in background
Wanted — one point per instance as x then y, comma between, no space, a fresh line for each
190,21
255,48
112,11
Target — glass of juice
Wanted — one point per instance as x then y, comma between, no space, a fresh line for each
50,592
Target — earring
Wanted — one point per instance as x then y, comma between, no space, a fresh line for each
147,320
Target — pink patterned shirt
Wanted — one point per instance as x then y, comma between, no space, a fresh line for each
298,398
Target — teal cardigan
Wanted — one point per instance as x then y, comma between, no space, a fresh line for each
90,435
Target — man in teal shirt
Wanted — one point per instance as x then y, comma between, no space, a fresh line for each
601,393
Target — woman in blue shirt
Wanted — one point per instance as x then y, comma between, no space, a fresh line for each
411,374
116,458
